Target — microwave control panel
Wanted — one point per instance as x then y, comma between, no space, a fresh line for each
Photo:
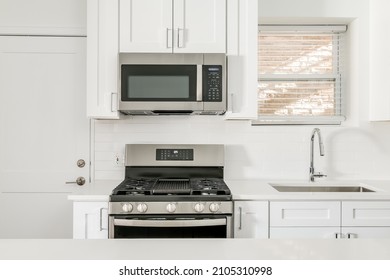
212,83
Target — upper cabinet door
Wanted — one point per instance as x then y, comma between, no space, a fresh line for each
102,59
242,25
379,60
172,26
145,26
199,26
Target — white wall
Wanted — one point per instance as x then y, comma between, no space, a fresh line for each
355,150
43,17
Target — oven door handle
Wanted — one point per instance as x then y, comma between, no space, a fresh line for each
170,223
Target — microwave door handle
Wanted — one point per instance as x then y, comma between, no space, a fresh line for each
169,223
199,82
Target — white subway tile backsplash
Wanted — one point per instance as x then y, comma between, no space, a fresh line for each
252,152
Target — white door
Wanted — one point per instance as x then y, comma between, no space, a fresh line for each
199,26
145,26
44,131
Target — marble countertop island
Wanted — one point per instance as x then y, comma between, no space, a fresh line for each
195,249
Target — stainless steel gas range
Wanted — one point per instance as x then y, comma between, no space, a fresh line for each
172,191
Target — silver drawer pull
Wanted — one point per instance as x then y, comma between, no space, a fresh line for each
240,226
101,219
169,38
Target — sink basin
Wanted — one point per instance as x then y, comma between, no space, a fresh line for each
320,188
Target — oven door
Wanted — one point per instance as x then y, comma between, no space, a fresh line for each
194,226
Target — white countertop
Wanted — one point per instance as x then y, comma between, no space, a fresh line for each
96,191
194,249
256,190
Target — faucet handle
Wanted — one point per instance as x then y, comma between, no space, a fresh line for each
316,175
319,175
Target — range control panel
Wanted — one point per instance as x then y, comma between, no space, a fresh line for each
174,154
212,83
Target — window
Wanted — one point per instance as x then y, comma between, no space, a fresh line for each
300,74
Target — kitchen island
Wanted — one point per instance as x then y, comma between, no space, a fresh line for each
194,249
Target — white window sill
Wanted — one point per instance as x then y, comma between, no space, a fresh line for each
299,121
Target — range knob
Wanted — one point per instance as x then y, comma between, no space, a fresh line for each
199,207
171,207
142,207
214,207
127,207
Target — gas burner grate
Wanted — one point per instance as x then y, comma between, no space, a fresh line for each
209,186
172,186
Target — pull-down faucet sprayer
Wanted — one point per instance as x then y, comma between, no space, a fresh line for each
313,175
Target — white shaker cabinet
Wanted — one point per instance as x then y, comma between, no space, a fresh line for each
305,219
90,220
330,219
172,26
251,219
366,219
379,60
102,59
242,22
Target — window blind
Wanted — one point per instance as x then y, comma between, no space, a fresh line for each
300,73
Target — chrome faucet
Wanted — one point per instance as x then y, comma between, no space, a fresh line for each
314,175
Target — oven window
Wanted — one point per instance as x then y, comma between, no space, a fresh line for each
158,232
163,228
152,87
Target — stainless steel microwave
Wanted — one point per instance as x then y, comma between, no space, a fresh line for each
172,84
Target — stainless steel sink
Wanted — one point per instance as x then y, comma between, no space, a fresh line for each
317,188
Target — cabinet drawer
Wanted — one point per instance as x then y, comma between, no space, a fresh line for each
366,232
303,232
366,213
304,213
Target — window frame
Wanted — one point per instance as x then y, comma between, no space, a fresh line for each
338,56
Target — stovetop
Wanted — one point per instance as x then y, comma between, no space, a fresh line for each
145,188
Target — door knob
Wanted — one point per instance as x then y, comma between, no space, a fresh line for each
79,181
81,163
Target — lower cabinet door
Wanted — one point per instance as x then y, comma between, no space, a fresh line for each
90,220
251,219
304,232
366,232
